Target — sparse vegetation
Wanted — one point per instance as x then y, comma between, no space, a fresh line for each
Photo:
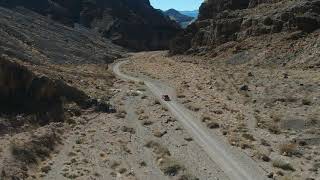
306,102
143,117
164,108
143,164
147,123
23,153
187,177
278,163
205,118
133,93
159,133
213,125
128,129
170,167
158,149
131,82
274,128
288,149
276,117
156,102
122,170
140,111
248,136
181,96
114,164
31,149
144,97
193,108
121,114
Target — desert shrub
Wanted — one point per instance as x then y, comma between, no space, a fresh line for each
122,170
128,129
276,117
248,136
141,83
121,114
131,82
193,108
143,164
143,117
164,108
205,118
289,149
147,123
306,102
140,111
170,167
158,149
187,177
114,164
133,93
159,133
213,125
274,128
24,154
181,96
156,102
33,148
278,163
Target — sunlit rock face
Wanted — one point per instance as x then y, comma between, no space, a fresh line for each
222,21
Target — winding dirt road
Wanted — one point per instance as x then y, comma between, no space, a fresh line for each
235,164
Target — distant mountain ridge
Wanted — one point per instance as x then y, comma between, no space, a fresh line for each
182,19
193,14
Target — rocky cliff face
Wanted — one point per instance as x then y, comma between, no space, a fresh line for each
222,21
131,24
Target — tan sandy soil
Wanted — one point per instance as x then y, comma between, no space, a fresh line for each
141,141
271,113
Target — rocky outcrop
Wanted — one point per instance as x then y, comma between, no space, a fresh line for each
222,21
131,24
209,9
254,3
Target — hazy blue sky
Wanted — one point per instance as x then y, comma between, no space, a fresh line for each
176,4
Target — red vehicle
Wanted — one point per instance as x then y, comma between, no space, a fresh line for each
166,98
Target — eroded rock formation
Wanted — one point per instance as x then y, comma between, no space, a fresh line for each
222,21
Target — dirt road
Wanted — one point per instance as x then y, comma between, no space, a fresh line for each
234,163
